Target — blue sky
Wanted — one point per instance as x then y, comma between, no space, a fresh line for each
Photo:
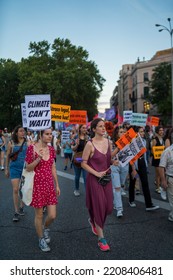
113,32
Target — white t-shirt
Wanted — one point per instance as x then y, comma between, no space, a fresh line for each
166,161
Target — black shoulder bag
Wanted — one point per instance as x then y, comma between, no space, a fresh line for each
13,156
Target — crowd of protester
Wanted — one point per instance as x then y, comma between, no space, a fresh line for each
99,157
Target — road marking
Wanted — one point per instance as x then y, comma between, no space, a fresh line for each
140,198
67,176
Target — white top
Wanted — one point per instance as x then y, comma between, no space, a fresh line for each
166,160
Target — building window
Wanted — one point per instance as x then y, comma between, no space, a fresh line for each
146,77
146,92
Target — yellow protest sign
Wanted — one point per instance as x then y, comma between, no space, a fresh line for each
60,113
157,151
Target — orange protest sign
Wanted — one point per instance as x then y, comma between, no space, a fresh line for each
142,151
154,121
78,117
126,138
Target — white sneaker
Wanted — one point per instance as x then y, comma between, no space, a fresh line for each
123,192
132,204
119,213
43,245
163,194
76,193
46,234
170,219
158,190
152,208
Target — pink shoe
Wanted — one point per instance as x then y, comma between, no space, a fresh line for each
102,243
93,228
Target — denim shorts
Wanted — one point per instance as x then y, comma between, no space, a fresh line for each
15,173
2,149
68,155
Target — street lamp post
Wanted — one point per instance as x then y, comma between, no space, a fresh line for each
170,31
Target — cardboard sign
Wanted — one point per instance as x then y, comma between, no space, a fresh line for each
157,151
38,111
142,151
24,118
127,116
78,117
139,119
126,138
131,151
154,121
65,135
60,113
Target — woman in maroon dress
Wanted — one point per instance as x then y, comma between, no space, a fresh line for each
99,199
41,158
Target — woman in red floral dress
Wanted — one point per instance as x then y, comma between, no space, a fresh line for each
40,158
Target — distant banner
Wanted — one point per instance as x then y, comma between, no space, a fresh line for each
78,117
131,151
126,138
157,151
38,111
127,116
60,113
154,121
139,119
23,112
110,114
101,115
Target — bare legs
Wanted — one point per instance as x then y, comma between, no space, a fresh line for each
51,215
15,185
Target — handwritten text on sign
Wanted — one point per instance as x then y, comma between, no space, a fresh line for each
60,113
78,117
126,138
23,111
139,119
157,151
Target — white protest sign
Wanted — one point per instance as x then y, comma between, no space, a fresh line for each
127,116
38,111
23,112
130,151
65,135
139,119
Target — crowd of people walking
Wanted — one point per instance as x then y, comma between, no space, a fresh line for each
94,154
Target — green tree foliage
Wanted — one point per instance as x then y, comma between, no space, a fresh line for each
10,98
160,94
64,71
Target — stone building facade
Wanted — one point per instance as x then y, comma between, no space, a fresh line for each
133,86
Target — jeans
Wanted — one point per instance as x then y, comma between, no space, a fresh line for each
118,175
78,171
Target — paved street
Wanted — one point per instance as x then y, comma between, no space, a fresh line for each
138,235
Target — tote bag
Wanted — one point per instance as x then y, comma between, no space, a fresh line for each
26,186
